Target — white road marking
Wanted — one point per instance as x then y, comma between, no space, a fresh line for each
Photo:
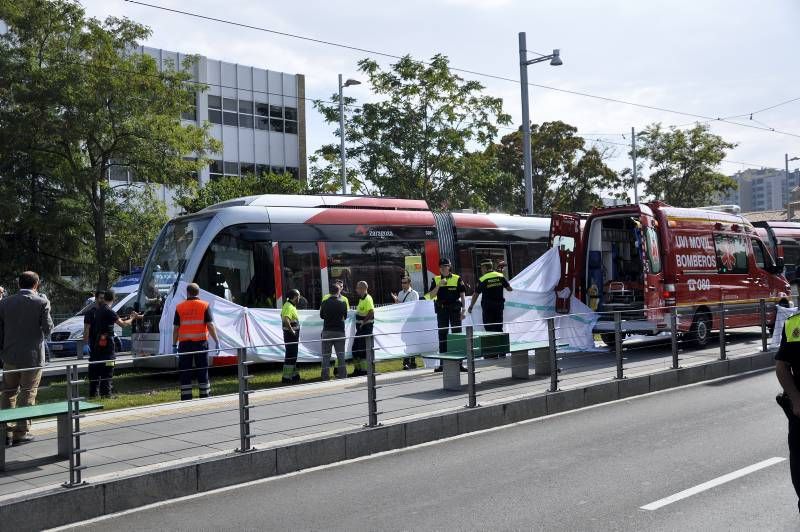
712,483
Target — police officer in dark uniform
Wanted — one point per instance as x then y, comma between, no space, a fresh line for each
447,292
787,368
102,356
491,285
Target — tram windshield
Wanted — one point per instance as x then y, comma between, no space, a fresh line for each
172,251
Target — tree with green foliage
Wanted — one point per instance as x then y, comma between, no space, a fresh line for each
135,217
192,198
568,175
78,101
415,142
683,165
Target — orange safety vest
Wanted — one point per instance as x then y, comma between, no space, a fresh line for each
193,326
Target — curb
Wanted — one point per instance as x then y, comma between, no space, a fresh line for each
60,506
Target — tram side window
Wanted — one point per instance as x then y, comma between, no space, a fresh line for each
352,262
466,268
791,256
300,262
523,255
239,269
395,260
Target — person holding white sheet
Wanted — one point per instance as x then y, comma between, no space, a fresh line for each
406,295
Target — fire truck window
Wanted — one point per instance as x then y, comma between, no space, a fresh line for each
653,252
731,253
758,254
300,262
352,262
564,243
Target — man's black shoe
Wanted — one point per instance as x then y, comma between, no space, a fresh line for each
463,369
438,369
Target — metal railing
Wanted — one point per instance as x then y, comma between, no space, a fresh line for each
259,414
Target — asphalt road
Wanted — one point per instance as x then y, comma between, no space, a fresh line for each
591,469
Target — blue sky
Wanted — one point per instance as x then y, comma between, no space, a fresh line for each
709,57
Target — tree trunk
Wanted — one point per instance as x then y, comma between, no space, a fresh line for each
33,236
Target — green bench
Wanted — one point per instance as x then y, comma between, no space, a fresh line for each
57,410
491,343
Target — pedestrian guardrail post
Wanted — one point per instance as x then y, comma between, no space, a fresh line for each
245,434
618,343
372,396
674,330
74,419
551,340
473,398
762,311
722,354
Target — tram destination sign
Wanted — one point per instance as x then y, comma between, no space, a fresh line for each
314,232
393,232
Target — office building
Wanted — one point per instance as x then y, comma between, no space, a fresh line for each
764,189
257,114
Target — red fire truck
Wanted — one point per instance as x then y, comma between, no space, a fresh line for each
639,260
784,235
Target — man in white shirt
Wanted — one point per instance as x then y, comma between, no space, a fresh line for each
407,295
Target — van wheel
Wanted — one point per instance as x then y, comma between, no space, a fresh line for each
701,329
609,339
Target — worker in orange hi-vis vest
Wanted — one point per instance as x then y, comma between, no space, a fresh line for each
192,325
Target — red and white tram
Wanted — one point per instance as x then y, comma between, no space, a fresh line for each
252,250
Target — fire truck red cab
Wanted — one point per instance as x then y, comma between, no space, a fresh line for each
639,260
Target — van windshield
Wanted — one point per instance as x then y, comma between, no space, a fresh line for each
117,298
171,252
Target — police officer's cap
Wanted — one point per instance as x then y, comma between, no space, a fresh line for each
487,264
444,262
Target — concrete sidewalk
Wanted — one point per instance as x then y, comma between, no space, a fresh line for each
123,440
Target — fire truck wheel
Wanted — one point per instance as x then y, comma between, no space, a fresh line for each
701,329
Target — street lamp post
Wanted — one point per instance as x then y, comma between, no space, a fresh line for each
788,205
787,159
342,153
555,60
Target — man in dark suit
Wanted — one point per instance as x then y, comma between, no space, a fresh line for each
25,322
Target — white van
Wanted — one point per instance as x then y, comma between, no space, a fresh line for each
64,337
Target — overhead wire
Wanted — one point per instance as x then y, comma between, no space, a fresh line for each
456,69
